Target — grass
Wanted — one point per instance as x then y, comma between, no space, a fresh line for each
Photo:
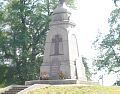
77,90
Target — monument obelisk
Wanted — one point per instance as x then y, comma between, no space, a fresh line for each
61,53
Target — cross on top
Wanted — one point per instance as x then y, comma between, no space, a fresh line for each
56,40
61,1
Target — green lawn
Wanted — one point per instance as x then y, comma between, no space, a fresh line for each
77,90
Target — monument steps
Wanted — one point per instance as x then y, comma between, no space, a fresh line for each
14,89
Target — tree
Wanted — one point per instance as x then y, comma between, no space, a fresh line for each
117,83
109,46
24,24
115,2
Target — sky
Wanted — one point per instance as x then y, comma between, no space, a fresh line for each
92,16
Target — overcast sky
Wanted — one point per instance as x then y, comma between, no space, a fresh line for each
91,17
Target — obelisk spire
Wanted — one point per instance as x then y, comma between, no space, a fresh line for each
61,1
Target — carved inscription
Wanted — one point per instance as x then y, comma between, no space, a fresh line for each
54,70
55,67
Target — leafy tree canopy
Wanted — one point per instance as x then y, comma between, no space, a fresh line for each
109,45
23,28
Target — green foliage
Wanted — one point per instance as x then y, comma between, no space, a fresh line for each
87,69
117,83
76,90
3,71
115,2
23,28
109,46
6,75
25,38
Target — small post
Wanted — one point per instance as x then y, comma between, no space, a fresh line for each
101,77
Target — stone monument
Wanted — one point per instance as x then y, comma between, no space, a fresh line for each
61,55
61,62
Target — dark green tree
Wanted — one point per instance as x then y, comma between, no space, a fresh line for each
115,2
23,26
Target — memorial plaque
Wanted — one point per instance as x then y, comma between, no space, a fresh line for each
54,70
55,67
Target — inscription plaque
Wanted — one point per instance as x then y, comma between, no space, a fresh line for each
55,68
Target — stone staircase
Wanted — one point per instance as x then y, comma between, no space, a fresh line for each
15,89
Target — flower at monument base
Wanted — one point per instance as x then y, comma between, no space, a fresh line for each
61,75
45,76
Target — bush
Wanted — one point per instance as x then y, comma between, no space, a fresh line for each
7,75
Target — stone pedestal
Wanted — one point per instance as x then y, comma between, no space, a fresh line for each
60,82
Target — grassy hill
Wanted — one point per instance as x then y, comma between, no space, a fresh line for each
77,90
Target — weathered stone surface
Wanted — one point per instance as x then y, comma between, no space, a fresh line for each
60,82
61,53
53,82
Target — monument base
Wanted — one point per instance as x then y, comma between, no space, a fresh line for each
59,82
